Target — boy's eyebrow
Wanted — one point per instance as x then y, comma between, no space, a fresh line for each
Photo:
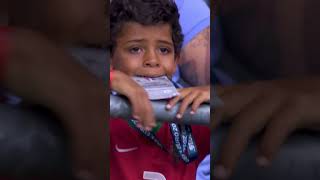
141,40
135,40
166,42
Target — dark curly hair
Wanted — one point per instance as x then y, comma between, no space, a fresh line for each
145,12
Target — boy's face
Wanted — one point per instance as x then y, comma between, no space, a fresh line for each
144,50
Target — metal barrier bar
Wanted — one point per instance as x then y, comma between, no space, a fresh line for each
34,143
120,108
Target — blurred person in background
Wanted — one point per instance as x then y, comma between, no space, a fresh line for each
270,83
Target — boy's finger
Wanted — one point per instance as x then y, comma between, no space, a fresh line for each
280,127
198,101
147,117
175,100
136,109
248,123
150,119
141,109
185,103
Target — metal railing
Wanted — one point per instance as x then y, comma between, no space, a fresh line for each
120,108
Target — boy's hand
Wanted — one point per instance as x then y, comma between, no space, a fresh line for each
193,95
141,105
276,107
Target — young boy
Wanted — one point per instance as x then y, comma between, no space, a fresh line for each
146,41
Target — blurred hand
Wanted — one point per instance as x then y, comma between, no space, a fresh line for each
51,78
276,108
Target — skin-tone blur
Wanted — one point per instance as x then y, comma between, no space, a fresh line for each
63,21
283,49
51,78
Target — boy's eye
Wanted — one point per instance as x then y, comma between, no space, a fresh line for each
135,50
164,50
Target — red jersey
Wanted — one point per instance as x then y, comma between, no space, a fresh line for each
135,157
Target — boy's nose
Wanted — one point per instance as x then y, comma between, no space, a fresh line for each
151,61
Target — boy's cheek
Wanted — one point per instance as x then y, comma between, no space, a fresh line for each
171,69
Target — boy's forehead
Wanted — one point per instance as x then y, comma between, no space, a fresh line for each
133,30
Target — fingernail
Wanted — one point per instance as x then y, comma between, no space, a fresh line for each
262,161
148,128
192,112
178,116
220,172
168,106
136,117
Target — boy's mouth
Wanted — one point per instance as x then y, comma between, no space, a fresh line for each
157,87
151,76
